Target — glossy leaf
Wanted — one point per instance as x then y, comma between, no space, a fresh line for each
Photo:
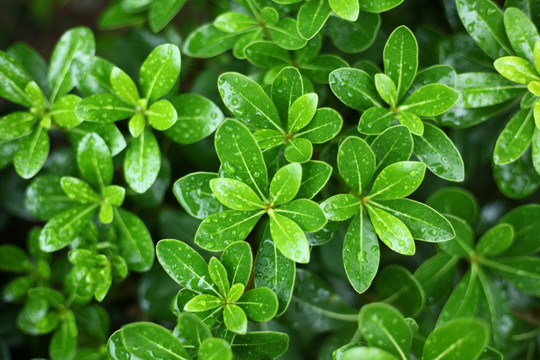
462,244
286,88
375,120
266,54
379,6
104,108
454,201
32,153
436,275
203,302
285,34
312,16
341,207
398,180
142,162
161,115
325,126
392,231
464,299
301,112
78,190
521,272
412,121
526,224
354,37
219,276
522,33
14,80
315,175
136,245
285,184
260,344
235,318
516,69
238,261
355,88
208,41
16,124
124,87
348,10
298,150
393,145
430,100
305,213
213,348
232,22
235,194
386,89
63,111
260,304
163,12
486,89
193,192
160,71
289,238
401,58
356,162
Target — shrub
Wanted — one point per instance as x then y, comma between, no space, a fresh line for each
317,179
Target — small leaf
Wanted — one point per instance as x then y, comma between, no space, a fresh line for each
411,121
386,89
496,240
104,108
63,111
341,207
235,194
305,213
260,304
203,302
398,180
238,261
214,348
393,145
161,115
392,231
516,69
356,163
14,80
32,153
401,59
207,41
266,54
78,190
235,318
348,10
375,120
134,240
63,344
298,150
218,273
285,184
193,192
325,126
430,100
515,138
286,88
289,238
315,175
301,112
160,71
355,88
16,124
13,259
124,87
371,353
232,22
142,162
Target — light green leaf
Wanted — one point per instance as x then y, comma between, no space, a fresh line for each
486,89
301,112
341,207
14,79
203,302
386,89
235,194
238,261
286,88
267,139
63,344
496,240
458,338
516,69
392,231
161,115
142,162
235,318
384,327
32,153
45,197
104,108
484,22
207,41
315,175
312,16
401,59
231,22
184,265
515,137
163,12
95,161
16,124
266,54
325,126
398,180
134,240
78,190
108,132
193,192
35,95
430,100
217,231
375,120
260,304
289,238
413,122
124,87
371,353
218,273
347,10
379,6
439,154
160,71
361,252
355,88
522,32
215,349
305,213
63,111
286,35
298,150
285,184
356,163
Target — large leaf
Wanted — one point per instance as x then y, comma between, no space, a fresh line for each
525,220
355,88
398,180
286,88
520,271
163,12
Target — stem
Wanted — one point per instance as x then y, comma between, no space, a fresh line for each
357,335
330,314
526,336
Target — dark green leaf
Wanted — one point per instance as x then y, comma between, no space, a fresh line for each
193,192
260,345
315,175
207,41
464,299
356,163
134,240
401,59
455,201
496,240
354,37
396,286
355,88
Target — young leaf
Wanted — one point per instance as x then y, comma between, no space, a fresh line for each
401,59
348,10
392,231
208,41
516,69
398,180
430,100
286,88
233,22
439,154
325,126
386,89
361,252
32,153
235,318
375,120
16,124
134,240
124,87
315,175
285,184
289,238
214,348
305,213
238,261
522,32
260,304
515,137
78,190
142,162
161,115
312,16
235,194
160,71
412,121
372,353
203,302
218,273
341,207
355,88
301,112
356,163
298,150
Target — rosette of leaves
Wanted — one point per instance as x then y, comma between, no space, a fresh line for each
28,81
243,188
216,292
72,203
124,13
289,120
504,252
379,181
158,74
429,98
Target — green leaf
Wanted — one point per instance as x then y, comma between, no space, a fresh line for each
379,6
63,228
160,71
496,240
232,22
286,35
516,69
217,231
371,353
341,207
439,154
218,273
32,62
393,145
215,349
207,41
247,100
238,261
289,238
515,137
143,338
45,197
63,111
301,112
235,194
260,345
285,184
462,244
430,100
16,124
13,259
375,120
163,12
305,213
396,285
273,270
398,180
361,252
312,16
315,175
536,56
347,10
64,340
484,22
383,326
411,121
325,125
266,54
108,132
392,231
142,162
464,299
454,201
104,108
525,221
517,179
522,32
355,88
78,190
423,222
14,80
298,150
354,37
286,88
235,318
486,89
32,153
319,69
184,265
401,59
73,44
436,275
193,192
134,240
191,331
386,89
521,271
356,163
203,302
458,338
36,96
240,156
124,87
260,304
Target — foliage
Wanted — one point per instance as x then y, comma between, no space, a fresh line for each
261,151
